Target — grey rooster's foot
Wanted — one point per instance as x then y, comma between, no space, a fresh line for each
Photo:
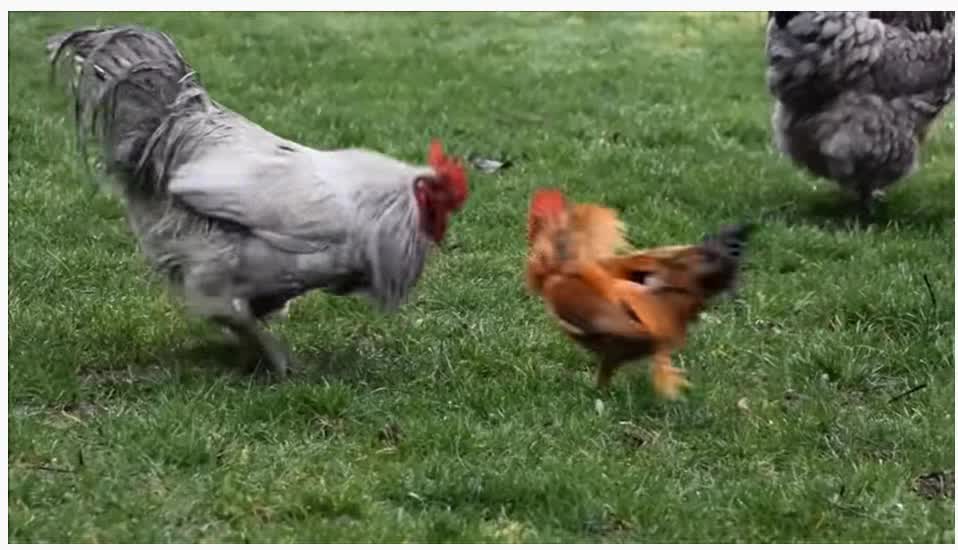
281,314
278,358
230,335
264,349
260,347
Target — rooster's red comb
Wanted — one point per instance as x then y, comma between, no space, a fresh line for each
449,171
547,202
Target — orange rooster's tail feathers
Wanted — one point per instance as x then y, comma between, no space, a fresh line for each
723,253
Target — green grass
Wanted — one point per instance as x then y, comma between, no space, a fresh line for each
468,416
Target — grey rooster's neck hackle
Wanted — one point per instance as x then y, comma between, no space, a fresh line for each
396,254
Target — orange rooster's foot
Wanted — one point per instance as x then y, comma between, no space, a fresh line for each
668,381
603,377
602,381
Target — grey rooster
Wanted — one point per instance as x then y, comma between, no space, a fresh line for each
239,220
857,91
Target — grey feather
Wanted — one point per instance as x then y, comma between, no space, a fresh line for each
225,209
856,93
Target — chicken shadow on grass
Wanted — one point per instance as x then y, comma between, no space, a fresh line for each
205,356
222,357
633,403
835,210
630,397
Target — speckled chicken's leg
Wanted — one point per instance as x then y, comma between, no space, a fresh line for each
866,205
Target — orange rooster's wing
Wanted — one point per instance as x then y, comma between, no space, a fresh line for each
588,302
683,278
640,267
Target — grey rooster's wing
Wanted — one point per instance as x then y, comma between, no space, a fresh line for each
268,185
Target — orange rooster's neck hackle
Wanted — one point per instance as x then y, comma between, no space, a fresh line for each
451,173
599,231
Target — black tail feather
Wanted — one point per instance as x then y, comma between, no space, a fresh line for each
724,252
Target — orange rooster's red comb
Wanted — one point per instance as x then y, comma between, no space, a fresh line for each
450,172
547,202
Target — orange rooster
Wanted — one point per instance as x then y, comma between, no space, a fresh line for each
624,307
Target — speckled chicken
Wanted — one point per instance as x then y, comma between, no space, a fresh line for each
857,91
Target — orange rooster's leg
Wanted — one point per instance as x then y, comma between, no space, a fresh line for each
604,376
667,380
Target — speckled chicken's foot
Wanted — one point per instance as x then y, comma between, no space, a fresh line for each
866,207
869,201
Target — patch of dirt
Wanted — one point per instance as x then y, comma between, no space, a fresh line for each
390,435
325,427
60,415
607,524
936,485
635,436
124,377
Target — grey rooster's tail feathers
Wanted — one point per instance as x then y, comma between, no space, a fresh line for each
130,86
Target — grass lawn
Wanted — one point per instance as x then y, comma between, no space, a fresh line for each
468,416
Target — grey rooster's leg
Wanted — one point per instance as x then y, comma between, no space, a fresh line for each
281,314
230,335
250,330
235,315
